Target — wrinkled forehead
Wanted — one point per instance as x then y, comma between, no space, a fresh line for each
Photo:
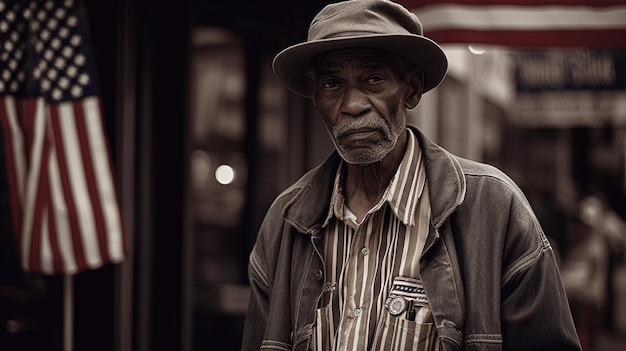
360,56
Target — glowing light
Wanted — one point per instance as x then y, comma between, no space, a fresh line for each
476,50
225,174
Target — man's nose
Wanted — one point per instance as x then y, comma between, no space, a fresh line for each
355,102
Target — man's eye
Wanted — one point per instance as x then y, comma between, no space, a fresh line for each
330,84
374,79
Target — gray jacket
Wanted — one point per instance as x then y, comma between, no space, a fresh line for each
488,270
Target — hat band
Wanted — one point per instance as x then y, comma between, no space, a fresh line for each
352,34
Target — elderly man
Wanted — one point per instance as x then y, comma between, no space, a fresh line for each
393,243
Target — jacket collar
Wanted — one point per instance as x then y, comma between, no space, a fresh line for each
446,184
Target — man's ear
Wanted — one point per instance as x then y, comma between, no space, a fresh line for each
416,86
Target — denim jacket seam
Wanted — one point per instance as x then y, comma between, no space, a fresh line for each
523,263
275,345
301,289
483,339
255,264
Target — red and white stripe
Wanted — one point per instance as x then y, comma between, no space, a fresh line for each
596,24
64,206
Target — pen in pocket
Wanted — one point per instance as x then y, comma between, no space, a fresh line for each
410,311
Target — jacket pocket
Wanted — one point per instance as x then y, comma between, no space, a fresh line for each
398,333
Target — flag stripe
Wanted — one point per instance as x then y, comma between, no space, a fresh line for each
32,186
51,255
103,165
61,222
77,189
27,121
72,208
91,195
590,3
502,17
48,247
41,191
15,144
597,39
44,249
14,159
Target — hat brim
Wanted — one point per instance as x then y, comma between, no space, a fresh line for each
291,64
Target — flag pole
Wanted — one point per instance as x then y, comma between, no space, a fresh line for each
68,312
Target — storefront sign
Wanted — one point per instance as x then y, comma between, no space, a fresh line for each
570,70
570,88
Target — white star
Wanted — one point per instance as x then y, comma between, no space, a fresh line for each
80,59
64,83
53,74
45,84
53,23
72,21
59,13
67,52
56,43
72,71
44,34
64,32
56,93
48,55
76,90
83,79
59,63
75,40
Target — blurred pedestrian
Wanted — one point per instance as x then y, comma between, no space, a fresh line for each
585,271
393,243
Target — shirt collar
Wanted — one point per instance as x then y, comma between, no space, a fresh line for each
402,193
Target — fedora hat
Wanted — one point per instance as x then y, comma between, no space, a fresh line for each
364,23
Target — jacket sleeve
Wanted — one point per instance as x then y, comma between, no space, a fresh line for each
512,285
262,266
535,310
258,305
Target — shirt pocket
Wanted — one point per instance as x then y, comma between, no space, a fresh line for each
398,333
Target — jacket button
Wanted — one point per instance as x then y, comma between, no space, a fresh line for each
319,275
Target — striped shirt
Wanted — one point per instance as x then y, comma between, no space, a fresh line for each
374,298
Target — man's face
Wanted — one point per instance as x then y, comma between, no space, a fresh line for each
362,100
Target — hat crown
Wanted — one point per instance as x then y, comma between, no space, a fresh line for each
380,24
363,17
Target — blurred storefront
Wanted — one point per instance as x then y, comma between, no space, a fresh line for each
204,138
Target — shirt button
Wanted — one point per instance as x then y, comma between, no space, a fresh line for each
365,251
357,312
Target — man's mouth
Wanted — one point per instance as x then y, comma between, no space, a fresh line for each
360,135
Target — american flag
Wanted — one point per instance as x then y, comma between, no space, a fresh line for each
65,211
593,24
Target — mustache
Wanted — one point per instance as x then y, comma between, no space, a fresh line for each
351,125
